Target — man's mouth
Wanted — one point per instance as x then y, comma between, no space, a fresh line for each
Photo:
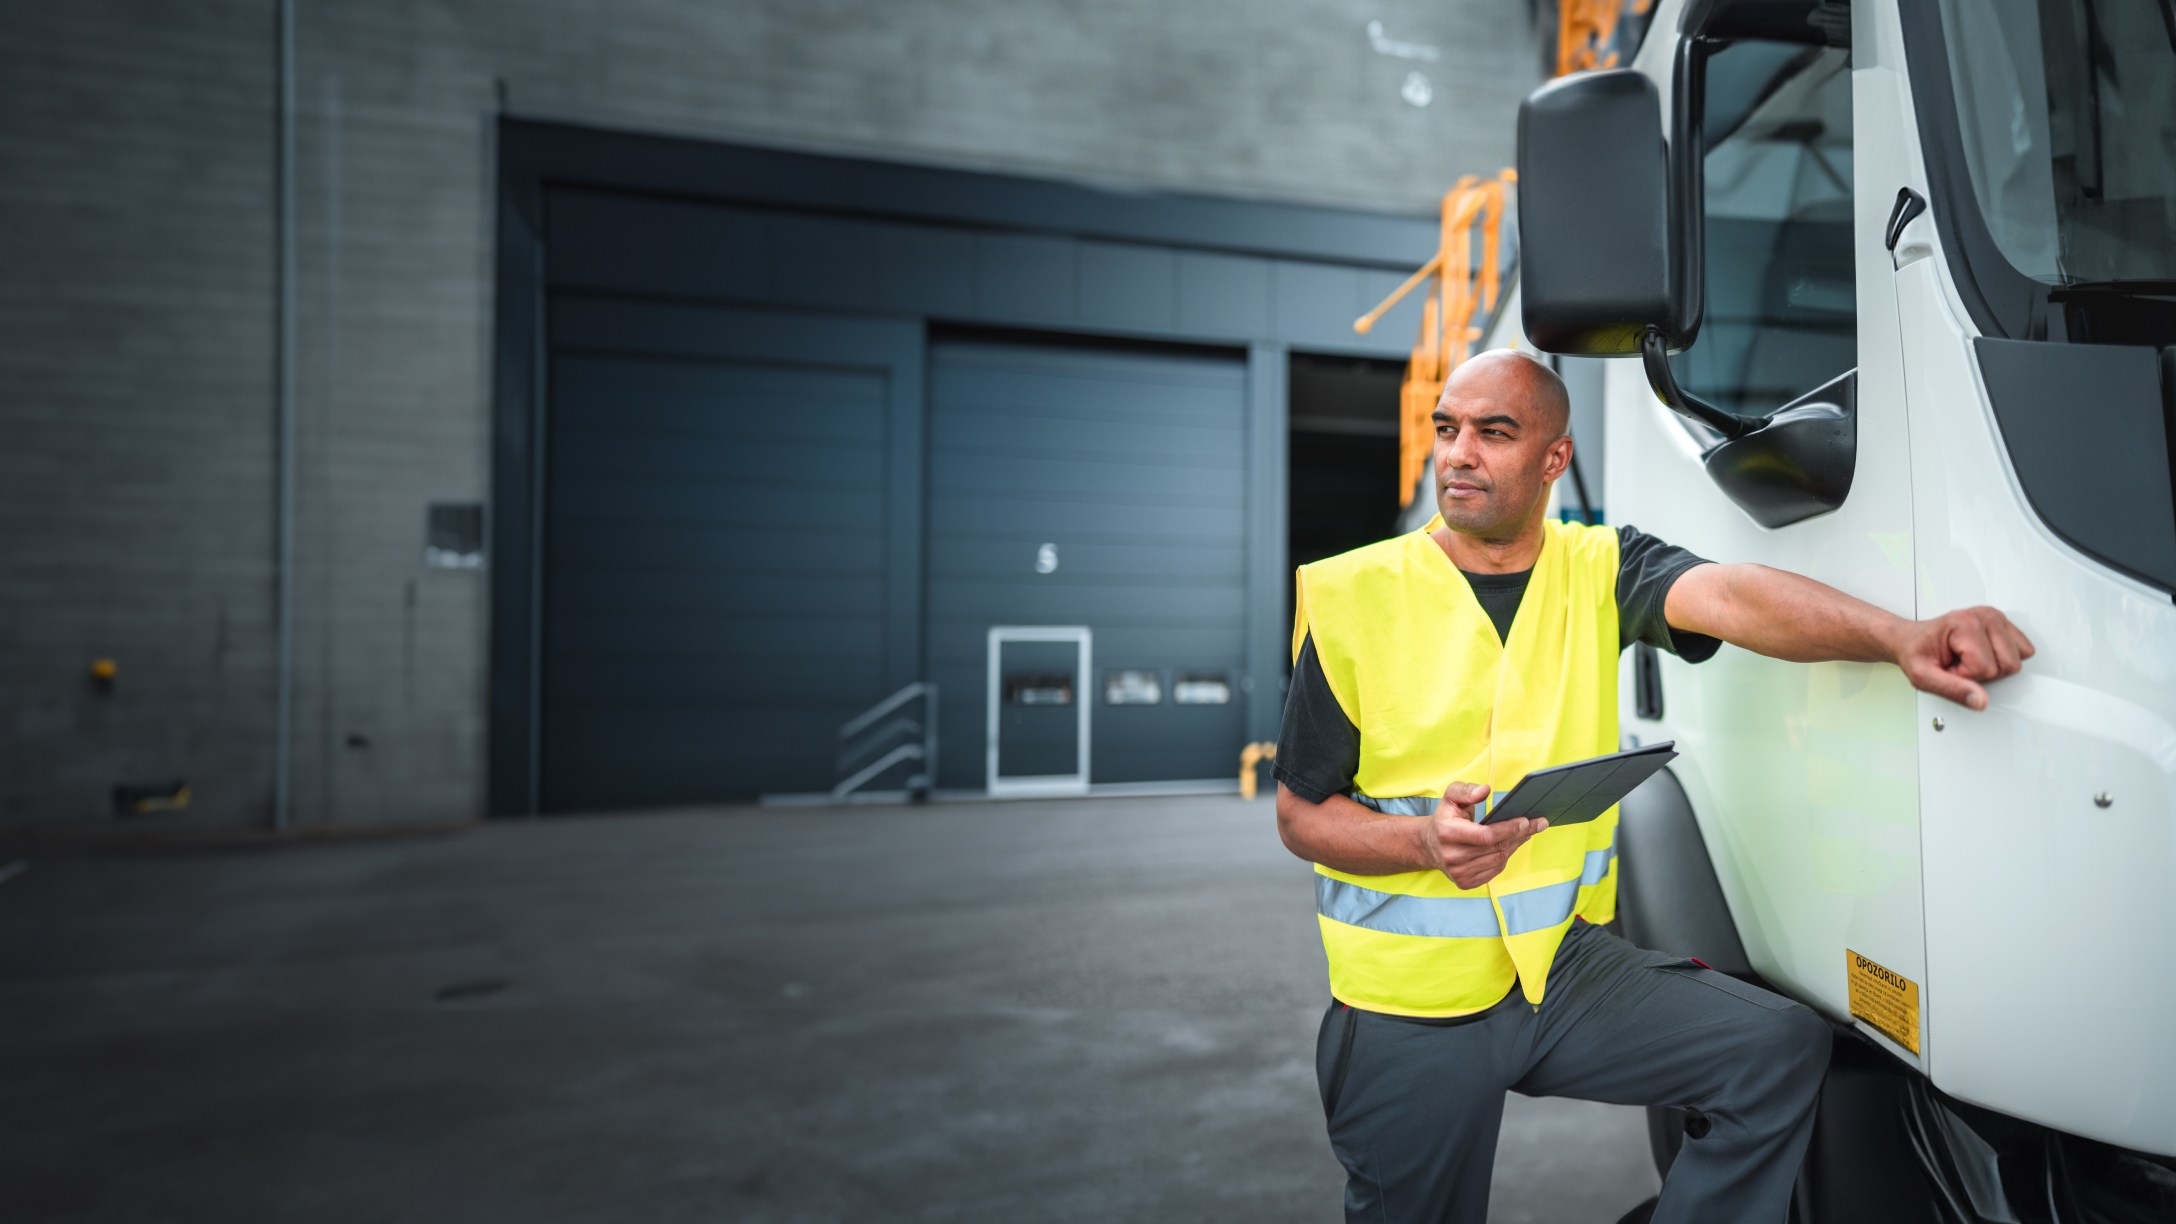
1461,488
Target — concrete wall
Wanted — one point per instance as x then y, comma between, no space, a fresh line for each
136,243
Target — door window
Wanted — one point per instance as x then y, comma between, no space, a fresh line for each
1781,311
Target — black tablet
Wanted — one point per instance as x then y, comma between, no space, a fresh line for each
1582,790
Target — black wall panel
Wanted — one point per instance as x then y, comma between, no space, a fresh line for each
717,589
1131,463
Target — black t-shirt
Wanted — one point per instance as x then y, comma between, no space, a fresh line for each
1318,748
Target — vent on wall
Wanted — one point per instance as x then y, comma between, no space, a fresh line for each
453,535
1038,689
1133,686
1202,688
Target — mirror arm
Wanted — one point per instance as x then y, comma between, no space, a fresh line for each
1655,356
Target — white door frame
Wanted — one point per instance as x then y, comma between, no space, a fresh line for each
1041,784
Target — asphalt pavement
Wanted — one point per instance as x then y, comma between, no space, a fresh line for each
1065,1010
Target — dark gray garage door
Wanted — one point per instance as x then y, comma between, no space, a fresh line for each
1098,487
718,568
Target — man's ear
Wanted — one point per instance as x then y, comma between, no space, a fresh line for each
1557,458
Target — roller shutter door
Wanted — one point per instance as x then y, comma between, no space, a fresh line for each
716,591
1129,466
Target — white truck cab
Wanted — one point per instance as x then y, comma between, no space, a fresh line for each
1897,285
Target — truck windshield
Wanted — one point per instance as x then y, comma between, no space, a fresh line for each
2067,110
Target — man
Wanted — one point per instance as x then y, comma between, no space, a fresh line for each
1437,667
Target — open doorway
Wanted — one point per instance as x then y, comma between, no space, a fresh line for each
1342,476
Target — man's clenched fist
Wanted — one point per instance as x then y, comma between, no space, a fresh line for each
1471,854
1953,654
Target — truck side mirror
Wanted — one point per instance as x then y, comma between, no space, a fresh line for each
1597,227
1594,215
1611,264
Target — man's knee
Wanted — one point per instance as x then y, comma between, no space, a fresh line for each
1797,1039
1773,1068
1779,1045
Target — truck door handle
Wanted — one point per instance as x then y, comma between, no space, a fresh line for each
1908,205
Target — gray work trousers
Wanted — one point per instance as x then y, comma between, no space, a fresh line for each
1414,1109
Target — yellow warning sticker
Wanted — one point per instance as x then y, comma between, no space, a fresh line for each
1885,999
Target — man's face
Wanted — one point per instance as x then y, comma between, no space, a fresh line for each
1496,451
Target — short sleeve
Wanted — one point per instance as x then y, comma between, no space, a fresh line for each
1646,569
1318,747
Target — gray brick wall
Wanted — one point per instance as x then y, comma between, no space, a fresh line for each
136,280
136,377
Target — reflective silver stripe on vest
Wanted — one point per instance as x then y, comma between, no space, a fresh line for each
1415,805
1443,917
1534,909
1400,914
1538,908
1594,870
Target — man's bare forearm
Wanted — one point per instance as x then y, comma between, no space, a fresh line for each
1347,836
1782,615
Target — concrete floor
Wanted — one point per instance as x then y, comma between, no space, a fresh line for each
1070,1010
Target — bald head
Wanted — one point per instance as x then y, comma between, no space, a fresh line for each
1510,375
1503,434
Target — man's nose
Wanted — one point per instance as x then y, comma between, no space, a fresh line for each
1461,453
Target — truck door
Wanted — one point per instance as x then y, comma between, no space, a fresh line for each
2041,368
1803,779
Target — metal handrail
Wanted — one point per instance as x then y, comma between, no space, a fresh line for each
918,785
851,755
904,752
886,706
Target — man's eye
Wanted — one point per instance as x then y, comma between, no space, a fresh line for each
1495,433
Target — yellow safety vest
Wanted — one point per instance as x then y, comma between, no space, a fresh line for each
1413,659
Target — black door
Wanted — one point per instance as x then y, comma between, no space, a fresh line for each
730,559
